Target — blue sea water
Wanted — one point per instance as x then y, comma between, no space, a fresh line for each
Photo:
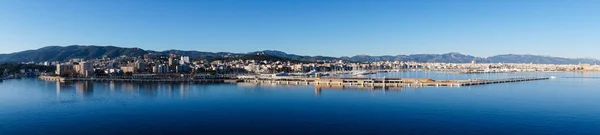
556,106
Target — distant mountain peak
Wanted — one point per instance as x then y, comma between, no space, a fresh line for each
455,53
272,52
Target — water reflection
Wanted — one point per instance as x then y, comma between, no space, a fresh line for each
98,91
63,89
559,106
318,89
84,89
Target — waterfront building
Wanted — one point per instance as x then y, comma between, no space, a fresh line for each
85,69
182,69
139,65
63,69
128,69
585,66
113,72
155,69
162,69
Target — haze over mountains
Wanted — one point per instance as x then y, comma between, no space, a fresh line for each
59,53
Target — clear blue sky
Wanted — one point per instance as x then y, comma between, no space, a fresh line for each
567,28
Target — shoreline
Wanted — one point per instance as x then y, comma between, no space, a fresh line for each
63,79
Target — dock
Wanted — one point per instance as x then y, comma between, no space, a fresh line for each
388,82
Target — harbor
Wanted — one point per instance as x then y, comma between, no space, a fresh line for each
317,81
388,82
328,100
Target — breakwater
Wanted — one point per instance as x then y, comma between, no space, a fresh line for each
389,82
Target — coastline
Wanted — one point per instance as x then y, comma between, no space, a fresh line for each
64,79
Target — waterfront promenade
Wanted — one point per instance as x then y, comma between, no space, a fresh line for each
124,79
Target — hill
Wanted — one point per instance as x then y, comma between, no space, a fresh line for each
295,57
59,53
513,58
449,57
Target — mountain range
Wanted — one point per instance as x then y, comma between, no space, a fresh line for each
63,53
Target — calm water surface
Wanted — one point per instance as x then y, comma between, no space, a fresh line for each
558,106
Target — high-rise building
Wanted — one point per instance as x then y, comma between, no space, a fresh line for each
155,69
63,69
182,69
163,69
184,60
171,61
86,69
139,65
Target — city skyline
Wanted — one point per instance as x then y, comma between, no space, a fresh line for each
327,28
423,67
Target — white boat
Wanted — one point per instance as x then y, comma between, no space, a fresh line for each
311,73
360,73
314,73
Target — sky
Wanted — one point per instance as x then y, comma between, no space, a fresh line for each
564,28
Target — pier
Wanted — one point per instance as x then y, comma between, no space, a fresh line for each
387,82
52,78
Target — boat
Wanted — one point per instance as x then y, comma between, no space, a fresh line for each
281,74
314,73
360,73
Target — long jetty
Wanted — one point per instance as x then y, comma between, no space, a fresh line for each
330,82
388,82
